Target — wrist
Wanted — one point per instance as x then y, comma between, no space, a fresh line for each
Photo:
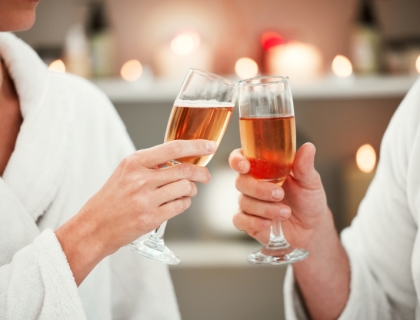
321,241
319,229
80,244
324,277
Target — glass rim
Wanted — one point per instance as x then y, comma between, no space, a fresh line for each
212,76
250,81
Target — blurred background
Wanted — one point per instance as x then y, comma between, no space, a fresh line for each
350,64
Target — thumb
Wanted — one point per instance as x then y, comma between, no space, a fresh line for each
238,162
303,167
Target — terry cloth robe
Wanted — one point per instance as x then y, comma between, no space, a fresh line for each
383,241
70,142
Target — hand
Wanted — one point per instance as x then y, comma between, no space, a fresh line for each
301,204
135,200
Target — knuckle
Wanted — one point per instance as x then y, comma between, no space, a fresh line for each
142,181
124,162
255,227
206,175
187,203
253,233
268,211
185,170
238,182
174,149
247,204
237,221
194,190
145,220
128,162
181,205
186,186
262,193
241,201
144,202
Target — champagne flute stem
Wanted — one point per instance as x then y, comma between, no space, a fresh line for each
159,233
277,239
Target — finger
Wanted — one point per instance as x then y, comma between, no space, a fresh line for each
173,208
303,170
256,227
238,162
172,150
264,209
261,190
183,171
175,190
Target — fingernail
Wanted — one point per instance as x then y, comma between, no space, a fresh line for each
277,194
211,146
284,213
242,166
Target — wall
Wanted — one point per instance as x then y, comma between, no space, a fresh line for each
253,293
337,128
230,28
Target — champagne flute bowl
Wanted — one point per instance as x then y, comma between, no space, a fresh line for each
268,139
202,110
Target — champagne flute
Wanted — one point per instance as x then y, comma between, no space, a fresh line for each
202,110
268,139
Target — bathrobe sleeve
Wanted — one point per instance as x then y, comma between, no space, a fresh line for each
47,183
35,279
38,283
380,240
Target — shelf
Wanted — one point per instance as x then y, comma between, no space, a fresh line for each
165,91
355,88
213,254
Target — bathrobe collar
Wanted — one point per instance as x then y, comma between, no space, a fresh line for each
28,72
37,162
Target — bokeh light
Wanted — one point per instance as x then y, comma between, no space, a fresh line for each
185,43
271,39
57,66
418,64
131,70
246,68
295,59
342,67
366,158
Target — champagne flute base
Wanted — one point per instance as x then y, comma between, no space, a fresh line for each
277,256
155,249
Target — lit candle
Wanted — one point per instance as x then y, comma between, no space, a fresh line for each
131,70
342,71
357,176
297,60
341,67
246,68
185,51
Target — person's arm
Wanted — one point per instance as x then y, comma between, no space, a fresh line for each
135,200
40,281
370,275
324,276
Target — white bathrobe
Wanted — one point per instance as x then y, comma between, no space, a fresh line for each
383,241
69,143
